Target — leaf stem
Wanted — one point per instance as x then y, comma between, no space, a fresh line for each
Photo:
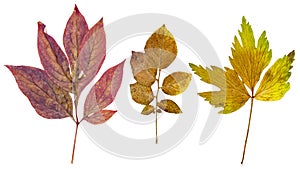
245,144
74,145
156,103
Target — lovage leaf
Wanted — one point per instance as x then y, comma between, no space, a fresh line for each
161,48
247,59
104,91
100,116
169,106
141,94
148,109
48,99
75,30
142,70
92,53
176,83
53,59
274,83
232,95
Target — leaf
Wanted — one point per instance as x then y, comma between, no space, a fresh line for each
142,70
48,99
141,94
148,109
92,53
247,59
169,106
105,90
274,84
176,83
75,30
161,48
53,59
232,95
100,117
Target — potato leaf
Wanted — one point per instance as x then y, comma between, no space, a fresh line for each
169,106
176,83
141,94
248,61
48,99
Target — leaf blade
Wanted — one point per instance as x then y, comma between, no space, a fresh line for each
275,83
161,48
148,109
53,59
141,94
48,99
75,30
105,90
100,117
169,106
176,83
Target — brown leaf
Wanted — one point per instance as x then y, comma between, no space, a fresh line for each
148,109
141,94
141,69
75,30
169,106
48,99
92,53
53,59
176,83
161,48
105,90
100,116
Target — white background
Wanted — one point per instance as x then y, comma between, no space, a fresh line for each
27,140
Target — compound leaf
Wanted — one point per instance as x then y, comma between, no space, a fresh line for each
47,98
176,83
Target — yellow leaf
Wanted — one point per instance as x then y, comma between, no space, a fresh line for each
141,69
176,83
148,109
274,84
232,94
141,94
247,59
161,48
169,106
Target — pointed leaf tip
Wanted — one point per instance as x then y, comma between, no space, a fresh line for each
76,8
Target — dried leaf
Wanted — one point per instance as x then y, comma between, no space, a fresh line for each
100,117
176,83
141,94
148,109
169,106
161,48
142,71
274,84
53,59
48,99
92,53
75,30
105,90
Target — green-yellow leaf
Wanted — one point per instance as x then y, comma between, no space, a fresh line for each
169,106
142,71
274,84
176,83
248,59
141,94
161,48
148,109
232,94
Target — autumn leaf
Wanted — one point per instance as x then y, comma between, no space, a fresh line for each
160,52
48,99
49,90
248,60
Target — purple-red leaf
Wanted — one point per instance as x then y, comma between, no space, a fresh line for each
105,90
91,54
48,99
75,30
100,117
53,59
